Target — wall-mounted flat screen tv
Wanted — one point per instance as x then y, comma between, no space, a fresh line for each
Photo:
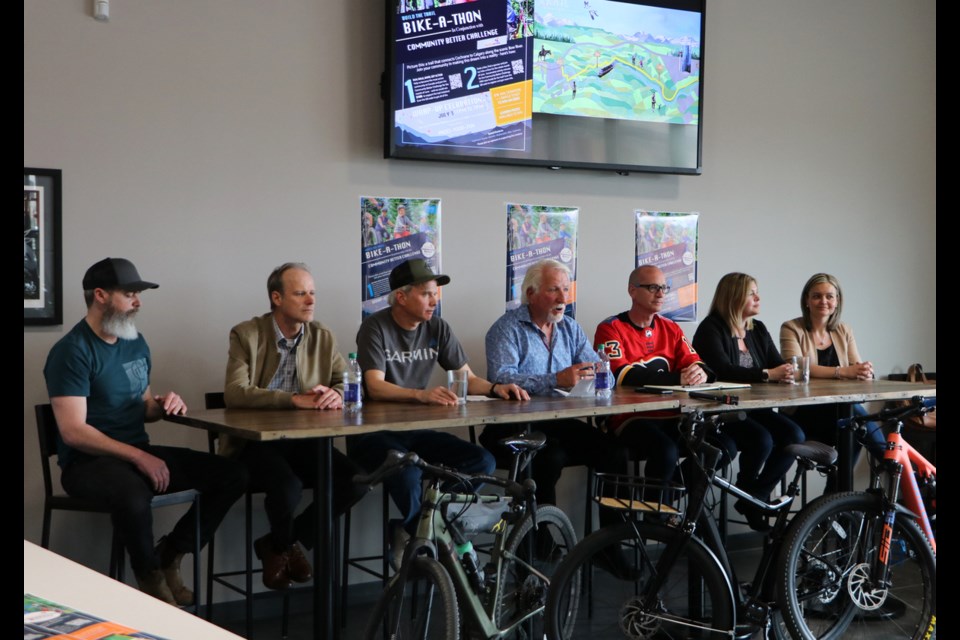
593,84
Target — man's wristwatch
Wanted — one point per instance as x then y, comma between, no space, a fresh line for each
765,375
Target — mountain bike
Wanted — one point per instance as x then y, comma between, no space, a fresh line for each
860,562
441,589
664,571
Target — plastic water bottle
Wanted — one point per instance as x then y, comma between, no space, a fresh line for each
471,564
603,381
352,380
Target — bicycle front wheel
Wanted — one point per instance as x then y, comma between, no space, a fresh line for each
532,557
694,599
422,608
826,565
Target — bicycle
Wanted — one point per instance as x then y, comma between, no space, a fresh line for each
677,579
440,577
860,558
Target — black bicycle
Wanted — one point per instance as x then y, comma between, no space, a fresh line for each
664,571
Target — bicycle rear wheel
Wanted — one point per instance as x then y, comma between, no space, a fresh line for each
425,606
533,556
694,601
826,562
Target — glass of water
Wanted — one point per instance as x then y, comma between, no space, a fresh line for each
457,382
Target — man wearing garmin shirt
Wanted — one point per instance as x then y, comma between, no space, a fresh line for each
398,348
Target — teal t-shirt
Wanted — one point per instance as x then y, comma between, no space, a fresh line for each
112,377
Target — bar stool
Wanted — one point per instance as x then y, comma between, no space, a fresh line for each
215,400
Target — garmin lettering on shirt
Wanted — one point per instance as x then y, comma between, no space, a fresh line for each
426,353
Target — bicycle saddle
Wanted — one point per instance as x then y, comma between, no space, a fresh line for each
523,442
813,451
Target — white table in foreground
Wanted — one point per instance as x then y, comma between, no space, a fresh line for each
57,579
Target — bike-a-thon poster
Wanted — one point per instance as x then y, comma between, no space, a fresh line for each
536,232
393,230
669,240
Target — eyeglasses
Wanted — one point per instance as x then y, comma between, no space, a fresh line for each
653,288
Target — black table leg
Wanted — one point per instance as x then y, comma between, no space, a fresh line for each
845,450
323,561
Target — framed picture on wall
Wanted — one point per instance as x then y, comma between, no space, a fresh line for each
42,259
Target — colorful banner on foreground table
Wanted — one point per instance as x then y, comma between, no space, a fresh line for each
536,232
393,230
669,241
44,619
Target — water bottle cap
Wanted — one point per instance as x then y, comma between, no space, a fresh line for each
352,355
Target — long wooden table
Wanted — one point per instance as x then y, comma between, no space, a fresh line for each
843,393
322,426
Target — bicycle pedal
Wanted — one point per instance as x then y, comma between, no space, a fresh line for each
755,612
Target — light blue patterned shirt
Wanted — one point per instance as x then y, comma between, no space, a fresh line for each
516,351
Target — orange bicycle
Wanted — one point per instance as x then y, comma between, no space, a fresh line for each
862,562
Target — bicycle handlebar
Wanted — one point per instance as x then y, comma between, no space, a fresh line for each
395,461
696,438
918,405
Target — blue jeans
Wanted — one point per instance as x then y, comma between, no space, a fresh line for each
819,422
569,443
435,447
127,493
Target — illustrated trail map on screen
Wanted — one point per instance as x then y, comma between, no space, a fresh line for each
592,61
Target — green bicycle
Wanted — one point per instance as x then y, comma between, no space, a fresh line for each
442,589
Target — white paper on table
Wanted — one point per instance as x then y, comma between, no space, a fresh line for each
583,389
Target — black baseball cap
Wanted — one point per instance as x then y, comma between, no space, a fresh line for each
415,271
115,273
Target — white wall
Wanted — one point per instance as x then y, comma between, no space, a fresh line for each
210,141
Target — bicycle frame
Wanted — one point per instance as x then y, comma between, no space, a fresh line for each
753,607
437,537
898,456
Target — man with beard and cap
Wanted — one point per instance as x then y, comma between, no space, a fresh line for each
98,378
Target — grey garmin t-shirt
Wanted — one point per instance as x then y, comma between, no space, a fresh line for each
407,357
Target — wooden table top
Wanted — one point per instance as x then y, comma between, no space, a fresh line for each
823,391
274,424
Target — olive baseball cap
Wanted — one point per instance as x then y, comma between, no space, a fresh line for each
415,271
115,273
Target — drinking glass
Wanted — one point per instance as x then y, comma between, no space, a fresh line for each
457,382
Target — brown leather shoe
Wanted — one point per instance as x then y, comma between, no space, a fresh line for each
275,572
298,567
170,567
153,583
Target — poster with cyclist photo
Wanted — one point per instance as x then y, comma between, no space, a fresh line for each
536,232
669,240
393,230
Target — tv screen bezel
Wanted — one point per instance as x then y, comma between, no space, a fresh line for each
407,152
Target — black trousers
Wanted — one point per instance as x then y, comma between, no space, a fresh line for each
127,494
282,469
